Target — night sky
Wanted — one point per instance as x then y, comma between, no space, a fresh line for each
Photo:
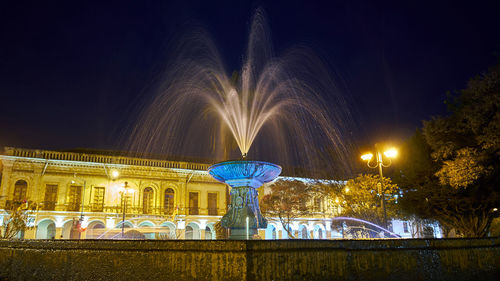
72,73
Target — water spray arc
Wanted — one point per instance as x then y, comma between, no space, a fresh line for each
199,110
276,105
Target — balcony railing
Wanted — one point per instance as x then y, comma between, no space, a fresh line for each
83,157
48,205
194,211
74,207
212,211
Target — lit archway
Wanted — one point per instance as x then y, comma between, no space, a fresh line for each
210,232
192,231
319,232
95,230
46,229
303,232
66,230
167,231
148,229
271,232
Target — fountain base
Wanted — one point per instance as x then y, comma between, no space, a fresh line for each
244,177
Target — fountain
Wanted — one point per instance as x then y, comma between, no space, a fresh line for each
243,216
275,104
289,109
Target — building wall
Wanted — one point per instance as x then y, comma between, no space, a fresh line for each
67,169
40,168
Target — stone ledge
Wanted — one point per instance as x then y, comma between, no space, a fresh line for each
382,259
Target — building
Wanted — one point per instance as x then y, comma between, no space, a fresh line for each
80,195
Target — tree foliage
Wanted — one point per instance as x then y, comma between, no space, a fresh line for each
18,219
287,201
449,171
361,198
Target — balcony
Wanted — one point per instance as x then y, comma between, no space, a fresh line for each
48,205
194,211
74,207
212,211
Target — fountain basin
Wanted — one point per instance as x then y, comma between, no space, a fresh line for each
243,217
244,173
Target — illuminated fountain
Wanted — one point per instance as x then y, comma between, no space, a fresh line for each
243,216
287,108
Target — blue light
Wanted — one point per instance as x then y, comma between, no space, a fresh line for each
244,173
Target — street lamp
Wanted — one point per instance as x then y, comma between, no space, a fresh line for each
83,197
115,174
124,191
379,163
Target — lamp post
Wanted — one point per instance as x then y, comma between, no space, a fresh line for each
83,198
124,191
379,163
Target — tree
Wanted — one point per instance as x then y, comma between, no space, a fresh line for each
287,201
359,198
18,219
450,169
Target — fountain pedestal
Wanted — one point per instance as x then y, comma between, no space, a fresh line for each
244,177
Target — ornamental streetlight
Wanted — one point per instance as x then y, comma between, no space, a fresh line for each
379,163
124,191
80,221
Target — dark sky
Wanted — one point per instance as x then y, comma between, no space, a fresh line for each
72,72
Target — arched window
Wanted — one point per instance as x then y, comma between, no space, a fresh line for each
168,203
147,200
20,189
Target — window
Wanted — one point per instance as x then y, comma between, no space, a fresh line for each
147,200
317,204
98,201
74,198
20,189
193,203
168,203
212,204
50,200
405,227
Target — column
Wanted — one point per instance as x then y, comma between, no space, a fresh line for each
6,174
59,232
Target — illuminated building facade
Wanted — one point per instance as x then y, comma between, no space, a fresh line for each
80,195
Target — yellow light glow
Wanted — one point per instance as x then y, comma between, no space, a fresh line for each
367,157
337,200
346,189
391,153
115,174
130,190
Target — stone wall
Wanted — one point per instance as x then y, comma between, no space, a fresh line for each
446,259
